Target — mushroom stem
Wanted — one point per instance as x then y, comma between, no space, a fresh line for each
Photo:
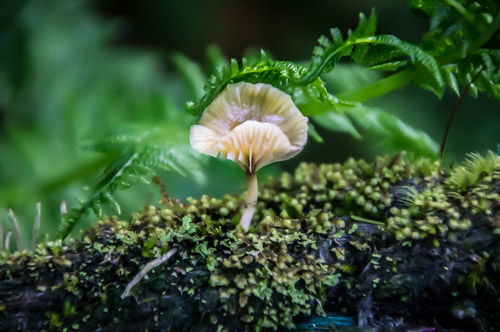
251,201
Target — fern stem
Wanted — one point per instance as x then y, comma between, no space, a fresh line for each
380,87
251,201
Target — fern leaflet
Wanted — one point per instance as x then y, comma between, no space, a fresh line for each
139,153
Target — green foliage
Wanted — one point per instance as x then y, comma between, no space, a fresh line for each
461,35
60,85
67,84
138,152
191,73
382,52
312,98
388,130
451,53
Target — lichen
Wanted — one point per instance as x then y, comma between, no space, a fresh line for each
396,240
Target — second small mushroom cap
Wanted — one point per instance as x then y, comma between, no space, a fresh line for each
251,124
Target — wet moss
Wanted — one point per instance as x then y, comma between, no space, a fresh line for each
390,242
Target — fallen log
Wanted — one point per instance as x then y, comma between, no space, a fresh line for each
393,244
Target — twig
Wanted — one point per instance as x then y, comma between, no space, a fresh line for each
36,227
17,231
149,266
7,240
455,109
1,237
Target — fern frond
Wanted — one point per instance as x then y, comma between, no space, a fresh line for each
139,154
384,49
312,98
382,52
387,129
459,30
265,70
460,73
329,51
117,176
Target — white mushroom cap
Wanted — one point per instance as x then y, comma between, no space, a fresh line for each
251,124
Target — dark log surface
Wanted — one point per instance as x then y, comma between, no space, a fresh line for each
395,245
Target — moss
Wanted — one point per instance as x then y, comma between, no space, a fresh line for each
380,241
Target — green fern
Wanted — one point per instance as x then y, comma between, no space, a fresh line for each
382,52
458,32
265,70
386,129
380,128
139,153
486,63
450,54
312,98
309,92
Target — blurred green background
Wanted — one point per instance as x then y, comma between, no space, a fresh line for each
71,69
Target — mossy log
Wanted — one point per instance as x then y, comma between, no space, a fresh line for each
393,244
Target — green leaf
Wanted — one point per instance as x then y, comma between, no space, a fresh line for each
191,73
314,134
337,122
367,26
328,52
458,32
388,130
451,79
486,61
385,48
383,52
314,99
113,178
349,76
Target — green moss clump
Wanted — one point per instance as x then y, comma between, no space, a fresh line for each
390,241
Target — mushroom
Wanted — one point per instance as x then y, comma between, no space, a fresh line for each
254,125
